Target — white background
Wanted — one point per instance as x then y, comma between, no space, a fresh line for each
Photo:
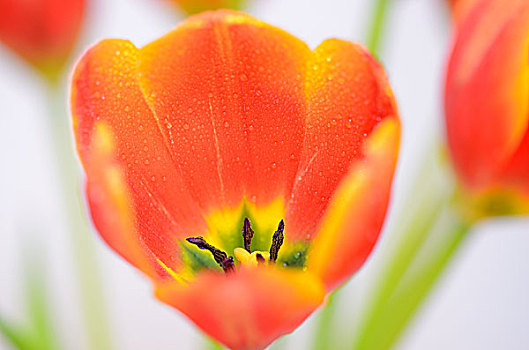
482,301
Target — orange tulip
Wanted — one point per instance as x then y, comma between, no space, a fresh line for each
196,6
244,173
43,32
487,98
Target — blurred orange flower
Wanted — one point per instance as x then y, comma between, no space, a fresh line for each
43,32
197,6
244,173
487,97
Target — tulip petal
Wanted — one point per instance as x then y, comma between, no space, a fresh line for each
516,173
248,309
355,216
110,202
460,8
232,87
348,95
487,88
105,91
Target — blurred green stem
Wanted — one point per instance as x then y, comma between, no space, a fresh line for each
16,336
81,238
422,246
42,327
377,25
211,344
407,299
323,333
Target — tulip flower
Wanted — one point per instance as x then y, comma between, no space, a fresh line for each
42,32
246,175
197,6
486,99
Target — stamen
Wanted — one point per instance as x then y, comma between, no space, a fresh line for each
225,261
260,258
277,241
247,234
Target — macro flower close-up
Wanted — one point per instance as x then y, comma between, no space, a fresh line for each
264,174
244,173
486,98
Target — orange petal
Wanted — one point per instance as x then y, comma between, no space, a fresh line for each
355,216
110,203
41,31
232,88
248,309
487,89
105,91
348,95
516,173
460,8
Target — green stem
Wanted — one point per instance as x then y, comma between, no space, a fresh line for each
210,344
410,296
323,333
16,336
425,205
280,344
377,25
81,238
40,315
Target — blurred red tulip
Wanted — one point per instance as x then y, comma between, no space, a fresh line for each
43,32
197,6
487,97
227,118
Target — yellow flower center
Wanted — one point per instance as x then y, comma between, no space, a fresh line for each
244,255
251,259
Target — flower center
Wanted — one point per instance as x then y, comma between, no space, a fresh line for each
244,255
